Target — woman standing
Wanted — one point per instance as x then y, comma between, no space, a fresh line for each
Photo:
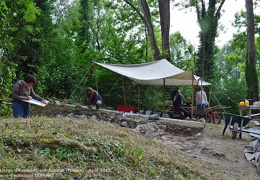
23,90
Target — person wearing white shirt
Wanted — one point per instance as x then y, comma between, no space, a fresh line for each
201,98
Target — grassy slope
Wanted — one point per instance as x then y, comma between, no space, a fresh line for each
61,148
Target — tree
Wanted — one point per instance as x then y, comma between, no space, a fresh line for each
16,19
232,63
230,83
164,10
85,19
208,14
251,74
20,17
208,22
182,52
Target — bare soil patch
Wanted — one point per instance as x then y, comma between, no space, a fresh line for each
200,141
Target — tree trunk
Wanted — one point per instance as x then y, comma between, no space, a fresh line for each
164,8
251,74
147,17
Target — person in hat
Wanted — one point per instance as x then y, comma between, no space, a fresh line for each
93,98
177,99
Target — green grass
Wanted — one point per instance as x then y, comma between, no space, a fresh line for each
66,148
51,148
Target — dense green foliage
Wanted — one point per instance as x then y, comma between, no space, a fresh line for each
208,21
58,42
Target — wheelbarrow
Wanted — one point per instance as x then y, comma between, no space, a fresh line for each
235,124
200,112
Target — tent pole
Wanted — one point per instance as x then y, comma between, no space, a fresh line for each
95,73
201,92
164,91
86,75
123,85
192,96
138,98
210,94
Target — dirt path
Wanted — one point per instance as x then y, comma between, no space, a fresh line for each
217,149
205,142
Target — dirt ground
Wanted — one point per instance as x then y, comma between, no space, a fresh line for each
209,145
222,151
203,141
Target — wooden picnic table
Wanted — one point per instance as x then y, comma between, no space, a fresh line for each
248,108
217,107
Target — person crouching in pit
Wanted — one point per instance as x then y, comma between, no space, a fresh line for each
93,98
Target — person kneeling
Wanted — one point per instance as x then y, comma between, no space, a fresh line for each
93,98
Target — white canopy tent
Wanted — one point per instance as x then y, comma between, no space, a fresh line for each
159,72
